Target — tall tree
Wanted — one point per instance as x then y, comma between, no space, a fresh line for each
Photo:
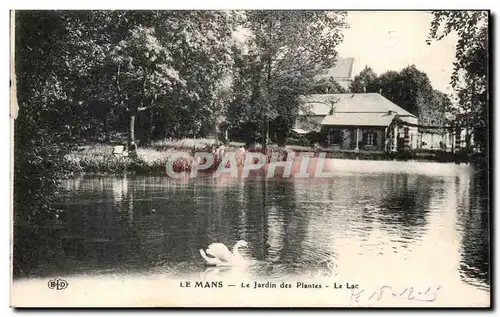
414,89
410,89
242,115
143,71
388,86
40,132
200,42
288,48
49,95
365,81
470,72
434,113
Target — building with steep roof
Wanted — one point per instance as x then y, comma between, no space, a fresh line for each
342,72
359,121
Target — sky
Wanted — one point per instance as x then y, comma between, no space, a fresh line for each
392,40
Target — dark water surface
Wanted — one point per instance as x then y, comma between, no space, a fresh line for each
434,217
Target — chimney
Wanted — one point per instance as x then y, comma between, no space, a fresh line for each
364,89
380,91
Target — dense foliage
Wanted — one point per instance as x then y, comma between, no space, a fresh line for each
470,73
43,128
283,53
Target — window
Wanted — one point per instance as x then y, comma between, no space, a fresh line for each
337,137
371,138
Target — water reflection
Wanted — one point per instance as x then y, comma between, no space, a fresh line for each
473,223
404,211
153,224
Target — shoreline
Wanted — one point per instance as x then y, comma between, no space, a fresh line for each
330,168
100,161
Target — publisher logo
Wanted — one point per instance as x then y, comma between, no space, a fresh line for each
57,284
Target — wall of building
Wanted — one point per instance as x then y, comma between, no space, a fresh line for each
347,142
434,141
380,138
446,141
413,131
349,137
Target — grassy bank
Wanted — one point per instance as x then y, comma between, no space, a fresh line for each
152,160
99,159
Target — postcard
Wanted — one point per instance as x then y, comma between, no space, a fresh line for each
250,158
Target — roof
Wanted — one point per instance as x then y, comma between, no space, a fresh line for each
300,131
321,104
359,119
318,108
342,69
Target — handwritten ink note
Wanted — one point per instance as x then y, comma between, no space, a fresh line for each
411,293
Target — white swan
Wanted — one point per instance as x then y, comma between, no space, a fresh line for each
219,255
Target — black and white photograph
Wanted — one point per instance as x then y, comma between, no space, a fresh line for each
250,158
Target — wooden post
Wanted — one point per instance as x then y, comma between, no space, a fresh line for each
384,140
395,138
452,141
131,143
356,145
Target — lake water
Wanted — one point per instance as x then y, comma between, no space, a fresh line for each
398,221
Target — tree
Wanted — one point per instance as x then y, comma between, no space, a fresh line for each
39,143
287,49
326,86
143,71
242,114
388,86
200,43
48,94
187,36
410,89
365,81
433,114
470,72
